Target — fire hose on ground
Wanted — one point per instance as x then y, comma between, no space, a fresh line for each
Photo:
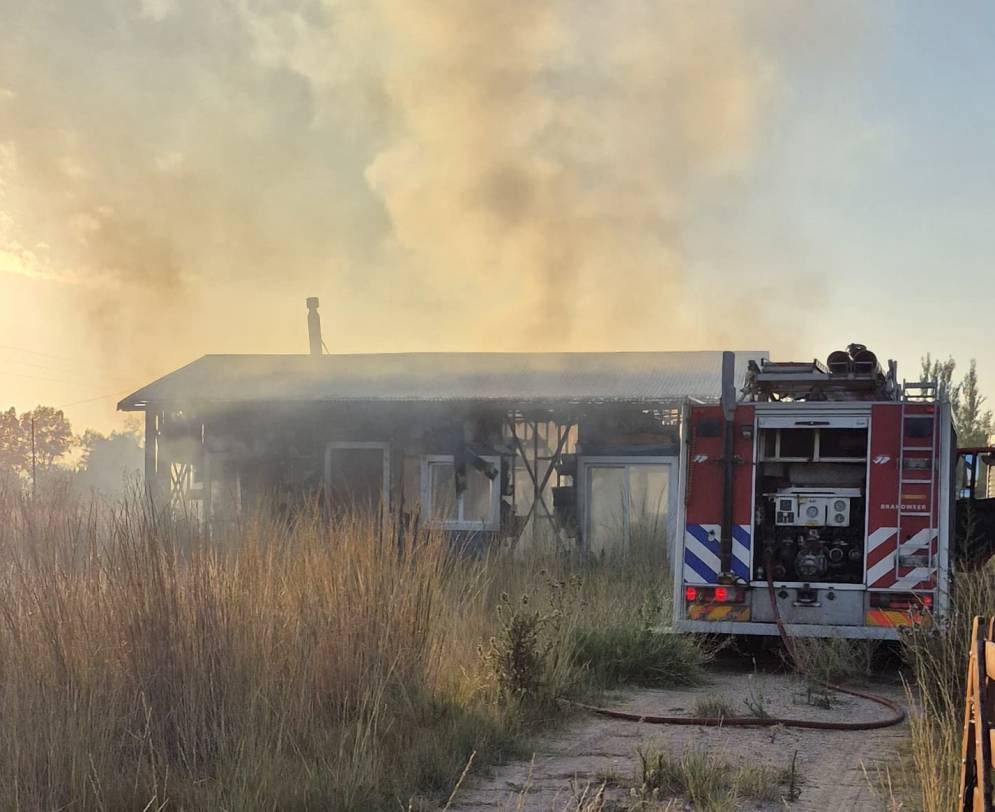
897,711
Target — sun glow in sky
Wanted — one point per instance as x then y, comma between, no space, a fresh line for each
176,177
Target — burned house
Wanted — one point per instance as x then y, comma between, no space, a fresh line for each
577,449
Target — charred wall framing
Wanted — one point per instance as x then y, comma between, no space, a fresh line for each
213,461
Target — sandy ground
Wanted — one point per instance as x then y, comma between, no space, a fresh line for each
839,770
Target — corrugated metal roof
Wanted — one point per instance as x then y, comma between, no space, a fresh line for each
512,377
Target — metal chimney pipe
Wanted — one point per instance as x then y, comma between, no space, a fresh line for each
314,326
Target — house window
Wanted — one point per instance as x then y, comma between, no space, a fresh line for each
476,508
628,507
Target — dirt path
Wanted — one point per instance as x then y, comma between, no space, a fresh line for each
837,767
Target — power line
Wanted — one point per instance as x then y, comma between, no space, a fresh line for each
88,400
83,380
46,366
43,354
40,378
69,381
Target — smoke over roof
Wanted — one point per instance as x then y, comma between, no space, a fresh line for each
501,174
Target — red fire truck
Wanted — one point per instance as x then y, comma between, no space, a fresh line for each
824,489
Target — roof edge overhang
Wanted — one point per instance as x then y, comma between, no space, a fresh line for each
131,404
157,393
138,401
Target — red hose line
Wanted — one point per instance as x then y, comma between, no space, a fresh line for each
897,711
898,715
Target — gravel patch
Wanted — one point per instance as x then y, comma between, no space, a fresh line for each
839,769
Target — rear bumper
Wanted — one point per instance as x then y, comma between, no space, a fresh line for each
793,629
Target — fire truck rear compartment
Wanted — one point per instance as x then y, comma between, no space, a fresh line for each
802,605
809,512
836,485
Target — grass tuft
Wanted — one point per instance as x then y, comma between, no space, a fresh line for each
633,655
710,782
713,707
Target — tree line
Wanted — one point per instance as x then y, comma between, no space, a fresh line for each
39,445
972,422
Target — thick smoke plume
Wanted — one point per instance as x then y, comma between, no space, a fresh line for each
499,174
547,152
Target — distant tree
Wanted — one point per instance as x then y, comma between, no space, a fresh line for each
110,462
53,437
53,434
14,453
972,423
942,372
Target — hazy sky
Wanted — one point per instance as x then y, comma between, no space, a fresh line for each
177,176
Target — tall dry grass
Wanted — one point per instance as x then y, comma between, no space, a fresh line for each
278,665
143,665
937,660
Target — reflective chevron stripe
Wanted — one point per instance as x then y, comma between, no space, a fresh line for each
702,553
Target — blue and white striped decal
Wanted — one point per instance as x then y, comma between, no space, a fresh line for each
701,552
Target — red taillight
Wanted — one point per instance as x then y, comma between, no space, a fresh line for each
716,594
902,601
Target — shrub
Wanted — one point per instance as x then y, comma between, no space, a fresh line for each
516,656
632,654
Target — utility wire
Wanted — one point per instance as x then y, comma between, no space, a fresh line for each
83,379
88,400
54,356
74,359
41,378
35,364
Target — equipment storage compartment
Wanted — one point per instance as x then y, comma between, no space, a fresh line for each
810,499
801,604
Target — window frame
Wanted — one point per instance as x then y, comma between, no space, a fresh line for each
493,520
583,480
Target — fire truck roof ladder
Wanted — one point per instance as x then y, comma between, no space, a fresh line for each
907,547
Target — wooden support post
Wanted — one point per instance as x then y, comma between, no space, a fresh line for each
979,716
967,763
157,468
151,429
982,728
